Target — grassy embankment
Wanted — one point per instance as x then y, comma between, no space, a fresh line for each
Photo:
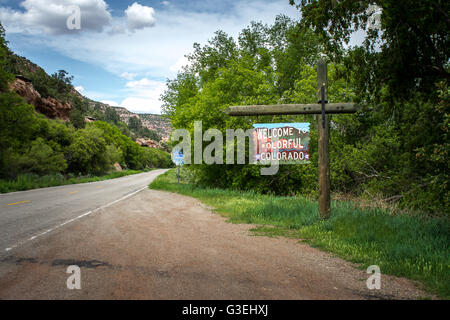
407,245
31,181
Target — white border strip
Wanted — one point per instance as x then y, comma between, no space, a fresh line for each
73,219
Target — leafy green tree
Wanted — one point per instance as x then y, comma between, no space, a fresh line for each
62,81
135,124
97,115
87,153
5,77
154,158
113,154
400,75
219,51
31,143
43,84
111,116
124,129
393,149
131,151
414,47
256,70
150,134
41,159
77,119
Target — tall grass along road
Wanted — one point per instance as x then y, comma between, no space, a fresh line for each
32,181
404,245
162,245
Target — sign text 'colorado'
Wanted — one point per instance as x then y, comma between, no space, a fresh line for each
287,143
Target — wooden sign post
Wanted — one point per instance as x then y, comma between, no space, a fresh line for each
323,108
324,137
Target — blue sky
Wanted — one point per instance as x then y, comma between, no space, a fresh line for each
125,50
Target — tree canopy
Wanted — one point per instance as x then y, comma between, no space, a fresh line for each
31,143
394,149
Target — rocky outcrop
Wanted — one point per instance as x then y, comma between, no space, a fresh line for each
117,167
154,122
89,119
148,143
50,107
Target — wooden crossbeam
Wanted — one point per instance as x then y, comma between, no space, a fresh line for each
280,109
324,108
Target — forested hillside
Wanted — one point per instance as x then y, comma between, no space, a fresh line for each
393,151
30,143
61,100
158,127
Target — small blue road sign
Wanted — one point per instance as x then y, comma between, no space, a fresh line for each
178,157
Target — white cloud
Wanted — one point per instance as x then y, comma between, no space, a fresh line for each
165,3
143,96
155,50
117,29
50,16
178,66
110,102
142,84
142,105
80,89
128,75
140,17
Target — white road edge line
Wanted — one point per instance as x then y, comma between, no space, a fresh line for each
74,219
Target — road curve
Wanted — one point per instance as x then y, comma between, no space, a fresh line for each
27,214
161,245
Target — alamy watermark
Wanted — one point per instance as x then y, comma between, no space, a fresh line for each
269,144
373,13
374,17
73,22
235,141
374,281
74,280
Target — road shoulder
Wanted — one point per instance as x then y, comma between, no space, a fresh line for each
160,245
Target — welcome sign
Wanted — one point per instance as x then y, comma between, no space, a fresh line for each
287,143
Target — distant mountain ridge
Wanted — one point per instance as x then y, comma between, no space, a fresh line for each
154,122
38,88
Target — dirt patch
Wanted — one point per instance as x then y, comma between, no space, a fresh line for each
159,245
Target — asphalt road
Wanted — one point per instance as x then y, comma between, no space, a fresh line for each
26,215
130,242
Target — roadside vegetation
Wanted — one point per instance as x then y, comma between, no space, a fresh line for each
404,244
395,148
59,86
32,181
37,152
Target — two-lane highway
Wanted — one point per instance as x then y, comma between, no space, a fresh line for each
159,245
26,215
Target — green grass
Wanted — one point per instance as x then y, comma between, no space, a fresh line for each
31,181
406,245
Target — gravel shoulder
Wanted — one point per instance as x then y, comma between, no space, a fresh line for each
160,245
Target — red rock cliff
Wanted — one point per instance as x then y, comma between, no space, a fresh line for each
49,107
